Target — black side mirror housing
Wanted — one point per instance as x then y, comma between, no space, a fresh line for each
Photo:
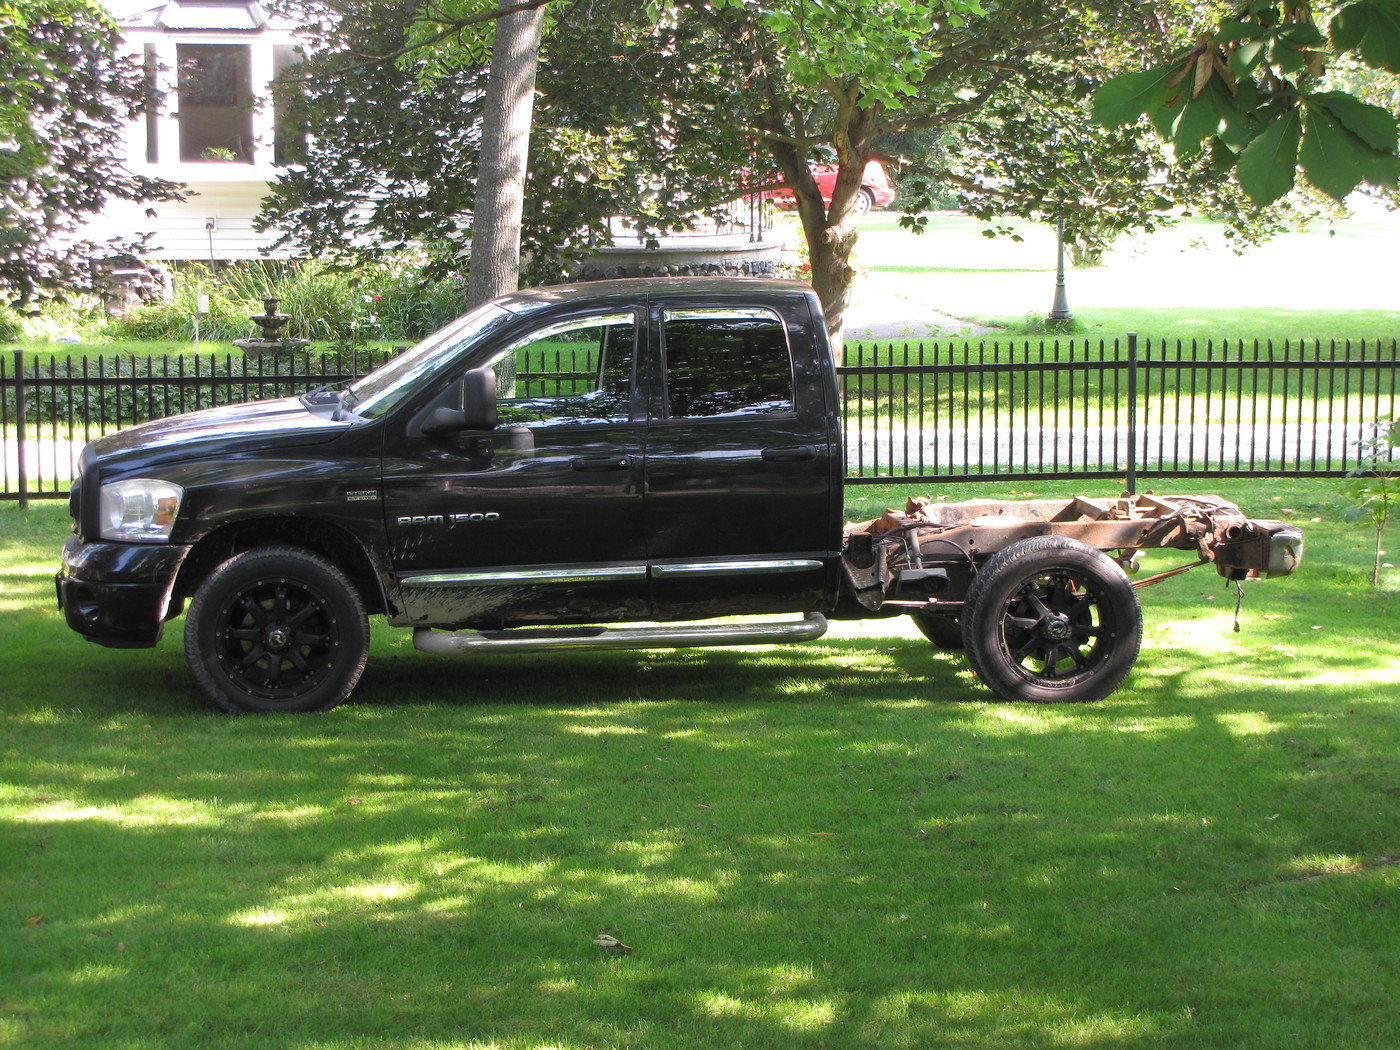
479,399
478,411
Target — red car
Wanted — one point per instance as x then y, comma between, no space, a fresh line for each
876,191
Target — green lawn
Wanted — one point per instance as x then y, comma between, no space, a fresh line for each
1184,282
843,844
1206,324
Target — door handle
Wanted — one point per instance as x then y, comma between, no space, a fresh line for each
788,453
598,463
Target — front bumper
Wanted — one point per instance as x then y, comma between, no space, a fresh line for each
118,594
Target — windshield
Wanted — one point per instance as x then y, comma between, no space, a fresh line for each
386,386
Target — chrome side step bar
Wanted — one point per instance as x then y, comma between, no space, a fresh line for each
577,639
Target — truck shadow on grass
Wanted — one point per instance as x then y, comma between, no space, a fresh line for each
847,668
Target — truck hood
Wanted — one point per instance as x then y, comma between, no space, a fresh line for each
258,426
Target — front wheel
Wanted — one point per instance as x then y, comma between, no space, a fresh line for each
276,629
1052,620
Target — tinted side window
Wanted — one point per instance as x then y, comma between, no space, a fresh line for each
726,362
575,372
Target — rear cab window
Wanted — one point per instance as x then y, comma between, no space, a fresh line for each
725,362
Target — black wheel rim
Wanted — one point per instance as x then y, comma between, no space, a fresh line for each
1057,627
276,639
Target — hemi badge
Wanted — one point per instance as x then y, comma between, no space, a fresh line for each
357,495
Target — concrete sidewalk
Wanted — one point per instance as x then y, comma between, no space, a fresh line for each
880,311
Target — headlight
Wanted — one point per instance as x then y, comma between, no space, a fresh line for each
140,509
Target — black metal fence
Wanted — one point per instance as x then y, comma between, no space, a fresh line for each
1120,409
915,412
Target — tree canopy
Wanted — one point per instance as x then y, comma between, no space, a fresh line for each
393,103
67,95
1254,90
663,110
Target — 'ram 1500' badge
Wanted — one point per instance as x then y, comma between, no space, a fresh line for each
476,517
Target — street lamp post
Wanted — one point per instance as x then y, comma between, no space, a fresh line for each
1059,310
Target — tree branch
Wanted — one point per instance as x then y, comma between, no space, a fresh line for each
453,27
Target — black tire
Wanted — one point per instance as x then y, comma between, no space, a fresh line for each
276,629
944,632
865,202
1052,620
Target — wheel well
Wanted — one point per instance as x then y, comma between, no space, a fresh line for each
329,541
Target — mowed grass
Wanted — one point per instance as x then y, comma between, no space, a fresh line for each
1184,282
842,844
1202,325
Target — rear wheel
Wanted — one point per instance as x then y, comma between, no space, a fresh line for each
865,202
276,629
944,632
1052,620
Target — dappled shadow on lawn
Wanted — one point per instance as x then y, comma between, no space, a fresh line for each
803,847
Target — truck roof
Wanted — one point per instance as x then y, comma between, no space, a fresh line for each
529,299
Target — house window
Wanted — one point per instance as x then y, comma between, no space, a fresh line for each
216,103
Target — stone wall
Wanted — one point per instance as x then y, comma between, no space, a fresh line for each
750,260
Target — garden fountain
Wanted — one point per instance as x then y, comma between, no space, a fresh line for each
269,321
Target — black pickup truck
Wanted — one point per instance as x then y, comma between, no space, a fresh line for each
689,470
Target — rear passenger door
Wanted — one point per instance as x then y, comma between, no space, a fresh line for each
738,506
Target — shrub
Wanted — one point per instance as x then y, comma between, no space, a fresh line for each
342,307
11,326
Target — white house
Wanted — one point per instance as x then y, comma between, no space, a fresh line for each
212,124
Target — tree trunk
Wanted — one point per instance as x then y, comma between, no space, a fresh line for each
829,230
505,144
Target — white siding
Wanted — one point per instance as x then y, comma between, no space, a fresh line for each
178,228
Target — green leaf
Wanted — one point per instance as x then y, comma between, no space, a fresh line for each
1122,99
1286,58
1223,160
1164,118
1199,119
1371,28
1303,35
1269,163
1246,57
1231,30
1333,159
1382,169
1236,129
1371,124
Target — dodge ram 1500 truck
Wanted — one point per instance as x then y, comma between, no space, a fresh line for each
692,471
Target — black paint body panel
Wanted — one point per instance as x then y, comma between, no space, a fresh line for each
117,594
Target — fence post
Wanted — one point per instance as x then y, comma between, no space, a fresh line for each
21,473
1132,412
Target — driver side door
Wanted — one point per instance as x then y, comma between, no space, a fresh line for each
538,521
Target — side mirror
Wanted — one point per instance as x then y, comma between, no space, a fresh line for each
479,399
478,411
